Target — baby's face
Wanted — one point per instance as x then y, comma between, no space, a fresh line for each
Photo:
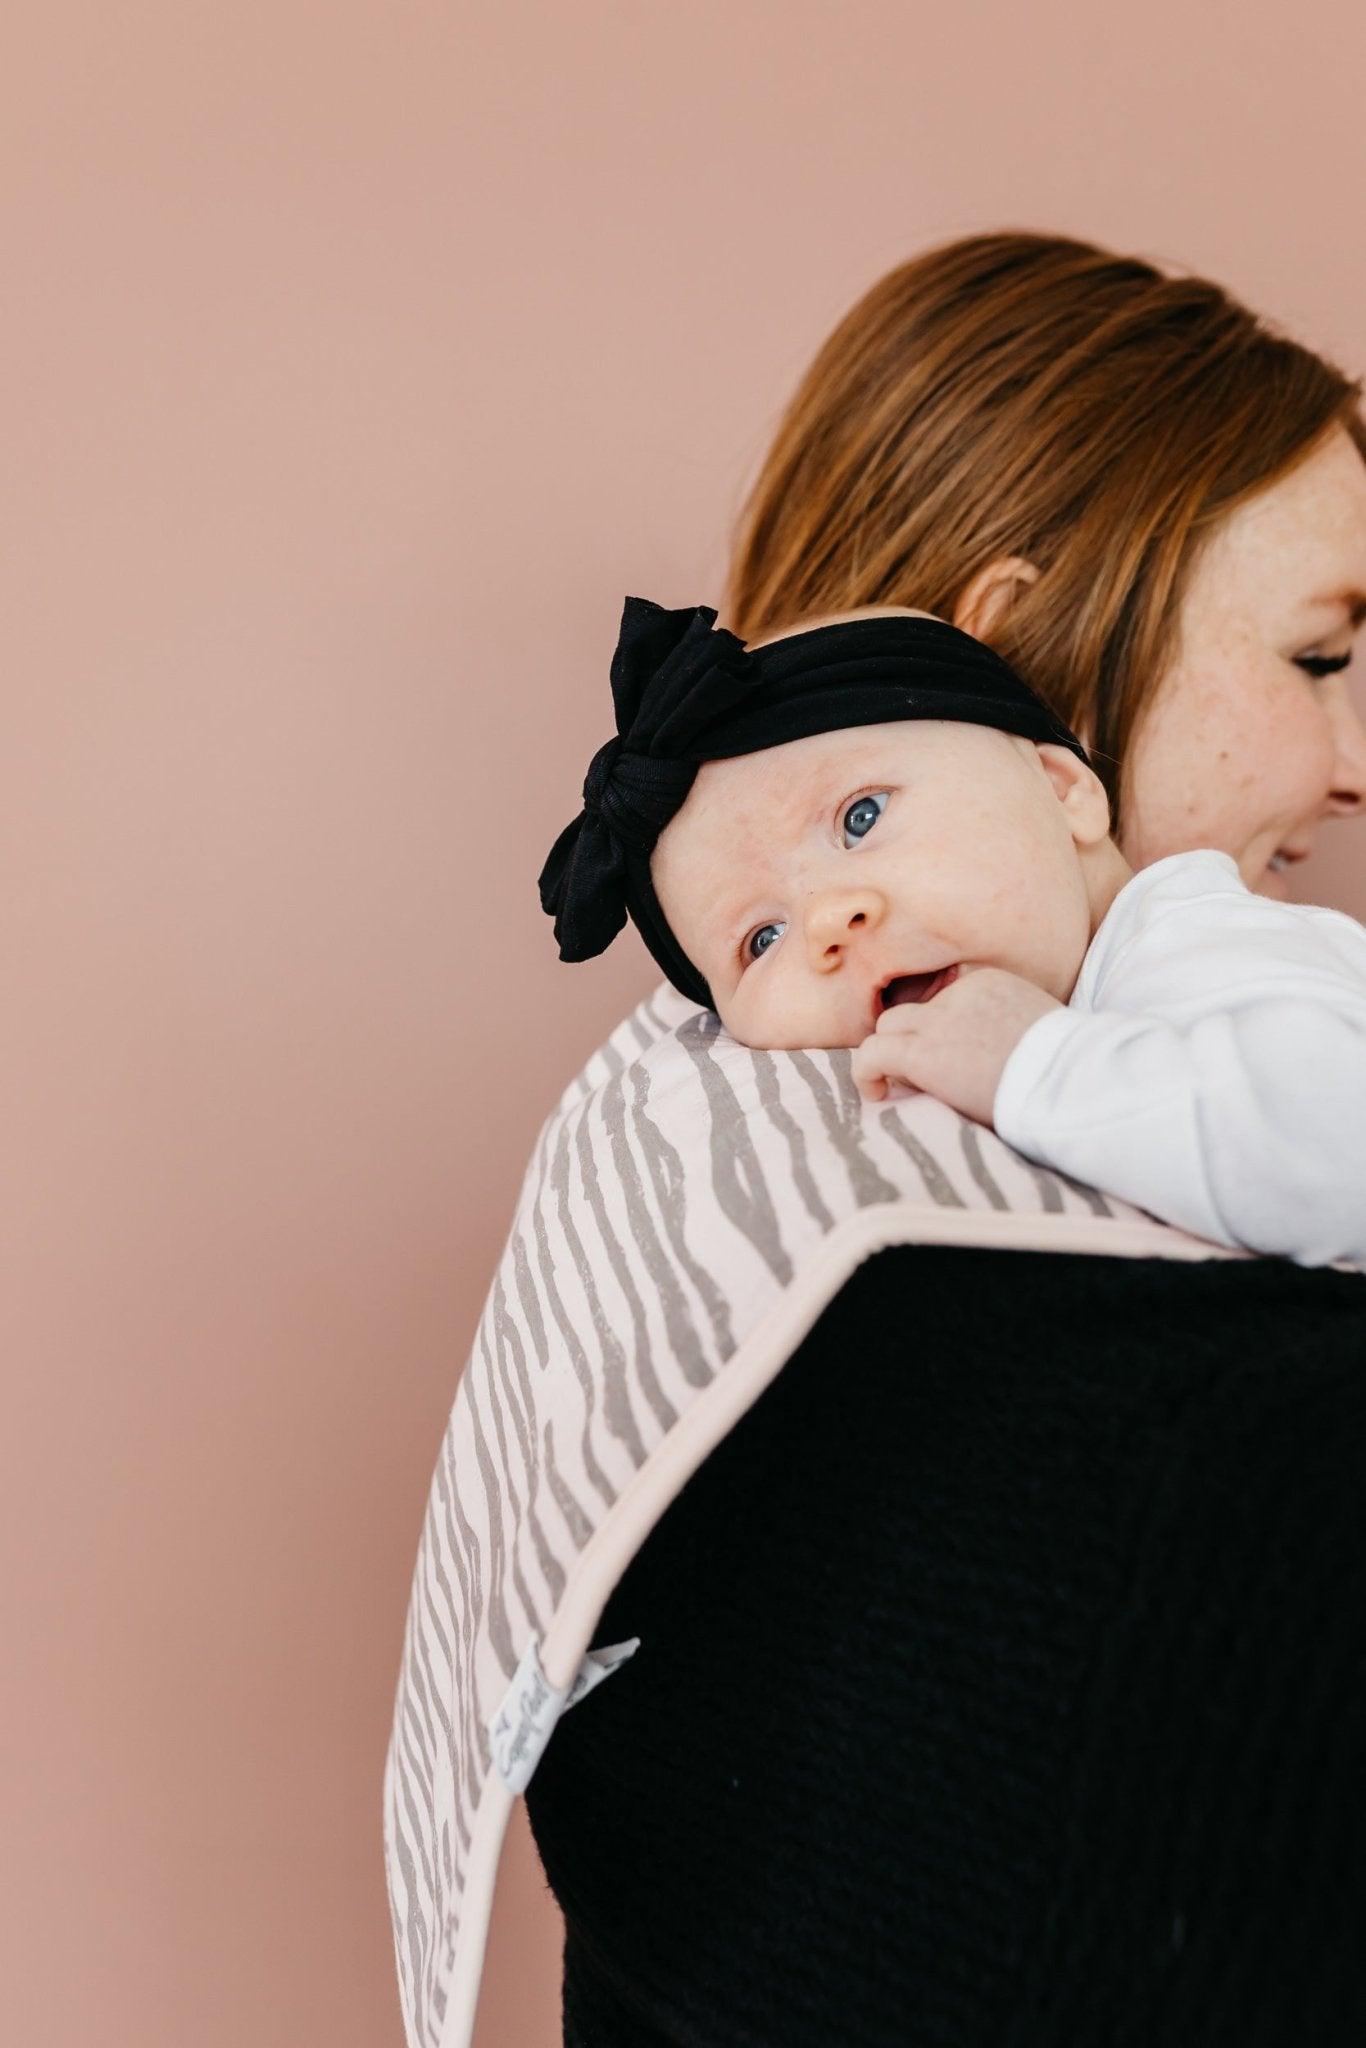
814,882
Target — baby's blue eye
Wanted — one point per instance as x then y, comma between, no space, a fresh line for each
756,943
863,814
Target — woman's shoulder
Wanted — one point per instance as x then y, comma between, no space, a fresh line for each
671,1116
647,1037
690,1207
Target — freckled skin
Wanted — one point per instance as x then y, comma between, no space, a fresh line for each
1240,749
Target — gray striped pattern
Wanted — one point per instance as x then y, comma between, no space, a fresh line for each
675,1191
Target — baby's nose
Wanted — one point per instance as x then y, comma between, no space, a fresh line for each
839,918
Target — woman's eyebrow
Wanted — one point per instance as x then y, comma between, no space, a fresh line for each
1349,598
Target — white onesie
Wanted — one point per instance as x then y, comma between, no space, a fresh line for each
1210,1066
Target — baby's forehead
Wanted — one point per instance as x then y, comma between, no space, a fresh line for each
781,780
778,780
752,810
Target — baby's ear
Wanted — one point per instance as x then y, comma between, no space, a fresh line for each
1079,790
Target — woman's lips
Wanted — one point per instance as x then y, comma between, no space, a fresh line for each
916,988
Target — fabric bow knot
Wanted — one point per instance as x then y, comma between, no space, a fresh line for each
672,675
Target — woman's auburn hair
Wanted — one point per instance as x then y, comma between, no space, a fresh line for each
1026,394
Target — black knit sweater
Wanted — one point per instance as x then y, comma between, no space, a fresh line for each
1002,1681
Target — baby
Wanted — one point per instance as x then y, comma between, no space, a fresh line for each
868,832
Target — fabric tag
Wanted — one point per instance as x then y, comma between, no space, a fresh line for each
520,1730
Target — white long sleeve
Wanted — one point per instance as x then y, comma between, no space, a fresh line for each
1210,1066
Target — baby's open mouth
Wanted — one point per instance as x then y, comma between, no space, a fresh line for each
916,988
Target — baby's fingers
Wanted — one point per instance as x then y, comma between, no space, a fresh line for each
878,1070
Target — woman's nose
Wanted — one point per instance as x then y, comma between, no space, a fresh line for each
1347,792
837,919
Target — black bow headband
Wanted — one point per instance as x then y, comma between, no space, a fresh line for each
687,691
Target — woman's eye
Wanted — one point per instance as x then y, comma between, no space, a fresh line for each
1319,665
760,940
863,814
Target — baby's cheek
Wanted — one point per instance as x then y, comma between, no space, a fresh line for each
731,1020
742,1014
754,1012
778,1005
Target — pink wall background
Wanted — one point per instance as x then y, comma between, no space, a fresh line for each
361,355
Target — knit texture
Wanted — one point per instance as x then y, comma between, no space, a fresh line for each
1002,1681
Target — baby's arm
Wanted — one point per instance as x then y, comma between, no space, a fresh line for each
1211,1068
1220,1081
1248,1126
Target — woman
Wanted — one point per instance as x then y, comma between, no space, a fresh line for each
1153,508
1156,511
1039,1719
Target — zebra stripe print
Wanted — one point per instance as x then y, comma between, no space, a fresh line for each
678,1189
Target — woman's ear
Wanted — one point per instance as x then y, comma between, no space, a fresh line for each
983,605
1079,790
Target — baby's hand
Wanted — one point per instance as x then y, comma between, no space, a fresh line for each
954,1046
